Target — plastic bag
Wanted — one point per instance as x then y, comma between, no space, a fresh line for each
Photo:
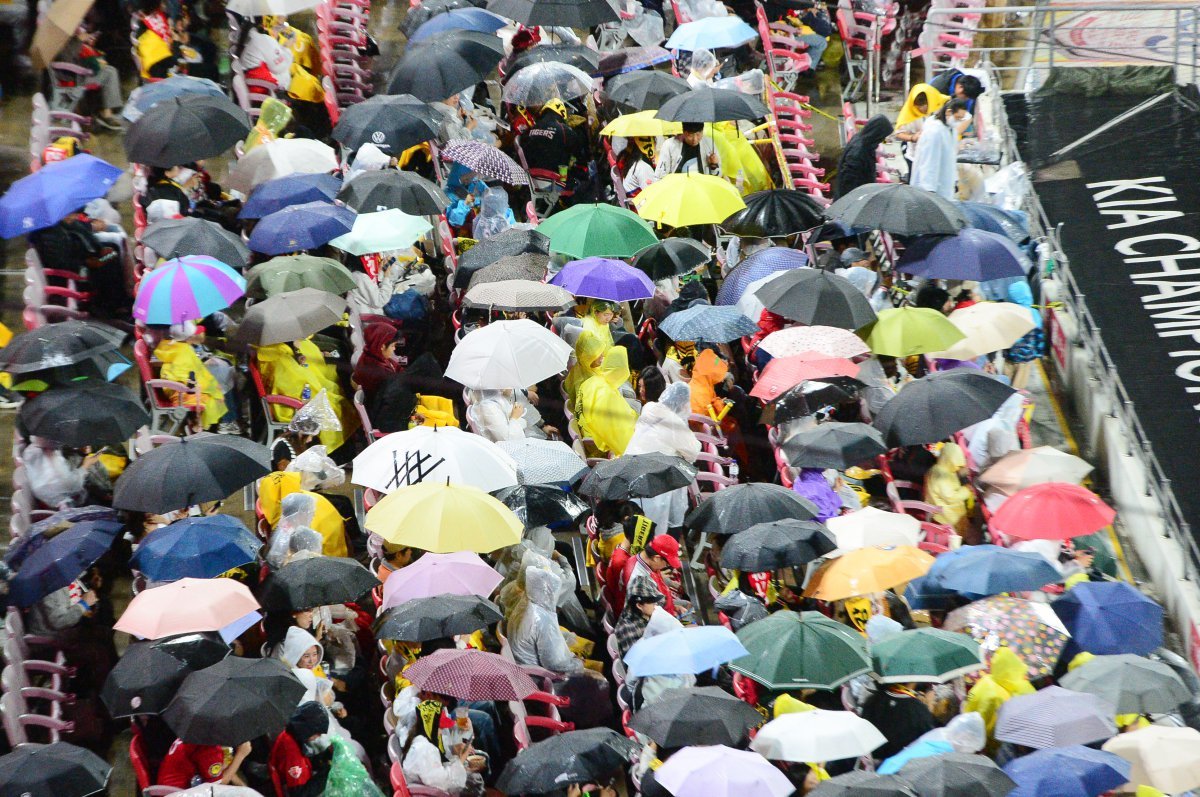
317,471
316,416
347,776
740,608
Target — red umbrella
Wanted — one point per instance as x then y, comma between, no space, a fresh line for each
783,373
1052,511
471,675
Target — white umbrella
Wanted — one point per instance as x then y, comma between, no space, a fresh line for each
817,736
434,454
1167,759
543,461
280,158
720,771
264,8
829,341
519,296
869,527
218,790
989,327
508,355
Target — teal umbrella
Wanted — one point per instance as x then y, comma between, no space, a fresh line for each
801,651
925,655
382,231
597,231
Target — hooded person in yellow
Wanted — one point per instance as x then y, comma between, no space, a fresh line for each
598,321
180,363
589,353
298,370
1006,678
923,99
944,488
604,414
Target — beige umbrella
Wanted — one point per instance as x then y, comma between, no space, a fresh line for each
519,296
989,327
1030,466
56,29
1167,759
869,527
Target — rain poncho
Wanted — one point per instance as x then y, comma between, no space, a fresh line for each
943,487
662,428
812,485
490,414
304,509
1006,678
494,215
286,376
275,116
990,440
603,413
704,68
589,348
54,481
180,363
261,50
536,639
909,112
369,158
737,157
592,324
935,164
708,372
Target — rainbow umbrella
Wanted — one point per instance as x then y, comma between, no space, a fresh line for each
186,288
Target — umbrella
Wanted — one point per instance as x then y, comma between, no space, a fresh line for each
970,255
905,331
576,55
809,397
637,476
512,242
628,59
444,65
392,123
936,406
471,675
436,617
1133,684
298,227
294,189
462,573
543,461
830,341
870,526
444,518
234,701
185,129
42,199
143,681
707,324
711,33
1029,466
147,95
290,315
55,28
518,296
643,123
263,8
898,208
603,278
697,715
198,468
1111,617
720,771
817,735
196,650
195,547
864,784
597,230
741,506
922,595
186,606
472,18
1163,758
982,216
672,257
706,104
507,355
980,570
784,373
186,288
693,649
1055,717
419,15
485,160
60,560
801,651
288,273
566,13
529,266
957,775
1052,511
94,414
392,188
52,770
766,547
320,581
682,200
1030,629
866,570
280,158
192,236
542,505
833,445
925,655
44,530
435,454
586,756
1074,771
537,84
102,367
987,327
817,298
644,90
382,231
758,265
775,212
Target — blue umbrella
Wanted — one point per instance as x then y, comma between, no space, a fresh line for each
298,227
1074,771
758,265
970,255
698,648
976,571
1110,617
707,324
294,189
22,547
196,547
43,198
61,559
921,594
711,33
146,96
475,19
1012,223
918,749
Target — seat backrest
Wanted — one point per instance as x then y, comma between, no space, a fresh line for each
361,409
141,355
10,711
137,760
256,377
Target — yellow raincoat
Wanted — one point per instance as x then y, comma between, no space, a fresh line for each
738,155
588,348
285,376
436,410
604,415
591,324
151,48
943,488
1005,679
909,113
327,522
179,364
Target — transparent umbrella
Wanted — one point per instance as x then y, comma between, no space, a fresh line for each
537,84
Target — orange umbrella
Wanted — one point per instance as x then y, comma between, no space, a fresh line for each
867,570
783,373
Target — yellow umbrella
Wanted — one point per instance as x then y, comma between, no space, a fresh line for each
56,29
444,518
867,570
681,200
643,124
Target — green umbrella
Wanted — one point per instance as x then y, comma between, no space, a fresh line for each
597,231
382,231
925,655
293,272
906,331
801,651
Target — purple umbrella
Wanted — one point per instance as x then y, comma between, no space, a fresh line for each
602,278
970,255
186,288
757,266
299,227
485,160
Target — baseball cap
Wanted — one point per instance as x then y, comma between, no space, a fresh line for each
853,255
667,547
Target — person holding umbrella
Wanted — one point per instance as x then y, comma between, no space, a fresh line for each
181,364
662,428
689,151
604,414
298,370
642,599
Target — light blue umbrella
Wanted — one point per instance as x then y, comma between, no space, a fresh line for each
686,650
475,19
711,33
977,571
707,324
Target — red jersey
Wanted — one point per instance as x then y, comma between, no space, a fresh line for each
184,762
290,768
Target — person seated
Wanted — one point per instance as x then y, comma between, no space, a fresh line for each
660,553
641,600
590,349
180,363
420,395
438,742
301,757
495,216
81,50
187,765
945,488
534,633
58,478
496,415
552,144
703,68
689,151
635,164
175,184
155,42
604,414
378,362
298,370
662,428
646,691
301,509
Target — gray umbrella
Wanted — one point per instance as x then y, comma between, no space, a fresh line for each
765,547
507,244
707,104
198,468
816,298
699,715
899,209
394,189
391,122
743,505
527,266
192,236
291,315
864,784
957,775
834,445
637,476
1055,717
936,406
642,91
1135,685
185,129
567,13
704,323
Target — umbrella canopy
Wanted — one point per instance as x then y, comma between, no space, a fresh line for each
686,199
445,64
392,188
143,681
21,548
195,547
444,518
290,315
925,655
280,158
298,227
711,33
261,8
196,650
707,324
982,216
816,735
294,272
1074,771
693,649
776,212
60,560
382,231
1052,511
604,278
293,189
528,266
830,341
320,581
642,123
94,414
980,570
1167,759
817,298
55,28
784,373
898,208
1055,717
419,15
542,505
435,454
970,255
810,397
537,84
756,268
544,461
698,715
462,573
568,13
766,547
471,675
870,526
706,104
576,55
1029,466
507,355
584,756
987,327
936,406
597,231
720,771
834,445
470,18
518,296
485,160
198,468
186,606
1111,617
628,59
436,617
185,129
392,123
513,254
1133,684
671,258
192,236
42,199
741,506
52,770
186,288
637,476
1029,628
905,331
234,701
957,775
866,570
647,90
801,651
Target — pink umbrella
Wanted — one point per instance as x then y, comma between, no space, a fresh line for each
720,771
830,341
783,373
187,606
471,675
186,288
462,573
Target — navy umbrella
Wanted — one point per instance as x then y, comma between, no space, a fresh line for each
971,255
1074,771
629,59
61,560
427,10
707,324
298,227
196,547
475,19
976,571
40,533
1110,617
293,189
922,594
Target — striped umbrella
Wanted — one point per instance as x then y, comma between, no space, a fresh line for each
485,160
186,288
707,324
1055,717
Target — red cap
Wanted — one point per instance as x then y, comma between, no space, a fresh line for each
667,547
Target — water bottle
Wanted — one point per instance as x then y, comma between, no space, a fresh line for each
733,470
306,393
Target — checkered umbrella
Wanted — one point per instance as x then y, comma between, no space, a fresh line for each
543,461
757,266
528,266
485,160
519,296
471,675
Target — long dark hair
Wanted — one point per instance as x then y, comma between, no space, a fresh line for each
248,24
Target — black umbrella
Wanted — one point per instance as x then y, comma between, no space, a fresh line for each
936,406
99,367
864,784
394,189
834,445
671,257
52,770
427,10
575,55
775,212
637,476
809,397
571,757
446,64
743,505
765,547
185,129
541,504
437,617
197,650
509,243
567,13
192,236
391,122
957,775
699,715
94,414
643,91
815,297
234,701
707,104
320,581
143,681
202,467
898,208
58,345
